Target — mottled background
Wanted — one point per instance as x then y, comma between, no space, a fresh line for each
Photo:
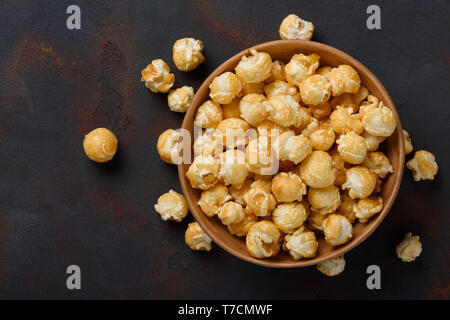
57,208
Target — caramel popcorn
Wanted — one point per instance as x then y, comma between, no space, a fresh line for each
423,165
231,212
211,200
301,244
294,27
157,76
337,229
332,267
289,216
344,79
256,68
263,239
100,145
196,238
168,146
225,88
409,249
301,67
172,206
187,54
180,99
288,187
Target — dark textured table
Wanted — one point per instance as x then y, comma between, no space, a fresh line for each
57,208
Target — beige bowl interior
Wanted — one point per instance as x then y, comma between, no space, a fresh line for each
393,148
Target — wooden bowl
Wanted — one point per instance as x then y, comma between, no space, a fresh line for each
393,148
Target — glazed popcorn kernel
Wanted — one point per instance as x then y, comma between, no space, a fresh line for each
346,207
408,142
224,88
372,142
283,110
157,76
423,165
252,109
263,240
207,144
278,88
360,182
337,229
241,229
352,148
180,99
301,244
231,110
260,202
211,200
409,249
257,88
231,132
168,146
367,208
343,121
289,216
208,115
378,163
294,27
379,121
233,169
344,79
351,100
187,54
238,194
338,167
316,170
301,67
172,206
258,155
323,138
196,238
270,129
293,148
277,72
100,145
288,187
332,267
231,212
255,68
324,70
316,220
320,111
203,172
315,90
324,200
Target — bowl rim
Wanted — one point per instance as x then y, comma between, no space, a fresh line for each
310,45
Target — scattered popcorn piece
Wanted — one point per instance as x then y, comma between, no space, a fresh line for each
409,249
332,267
168,146
196,238
263,239
180,99
172,206
187,54
294,27
100,145
423,165
157,76
408,142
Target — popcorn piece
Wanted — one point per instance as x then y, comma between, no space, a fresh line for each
252,109
352,148
241,229
367,208
277,72
324,70
293,148
301,244
347,207
232,132
320,111
409,249
231,110
337,229
323,138
283,110
233,169
256,68
408,142
263,240
289,216
157,76
231,212
332,267
324,200
379,121
316,220
378,163
372,142
260,201
315,90
423,166
100,145
301,67
208,115
180,99
187,54
225,88
316,170
257,88
168,146
259,157
211,200
294,27
338,166
203,172
288,187
172,206
238,194
360,182
207,144
343,121
351,100
278,88
344,79
196,238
